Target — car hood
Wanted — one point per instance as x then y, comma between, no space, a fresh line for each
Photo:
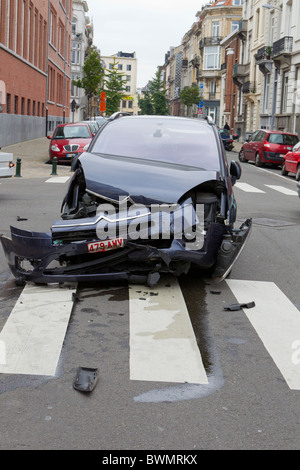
144,181
62,142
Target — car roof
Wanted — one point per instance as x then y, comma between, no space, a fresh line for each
272,131
71,124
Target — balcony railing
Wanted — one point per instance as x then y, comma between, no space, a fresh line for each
212,41
249,87
283,46
264,53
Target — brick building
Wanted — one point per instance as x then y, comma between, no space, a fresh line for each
35,56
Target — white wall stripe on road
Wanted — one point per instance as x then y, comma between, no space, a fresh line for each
248,188
277,322
282,189
32,337
58,179
162,342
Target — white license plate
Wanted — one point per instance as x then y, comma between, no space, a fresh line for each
70,155
105,245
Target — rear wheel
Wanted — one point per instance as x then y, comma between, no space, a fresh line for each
283,170
298,173
257,160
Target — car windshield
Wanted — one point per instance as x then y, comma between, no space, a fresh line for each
72,132
187,142
283,139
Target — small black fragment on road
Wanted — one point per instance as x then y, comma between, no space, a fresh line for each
235,307
86,379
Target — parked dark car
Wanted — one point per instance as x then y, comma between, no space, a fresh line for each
154,194
292,162
69,141
267,146
227,140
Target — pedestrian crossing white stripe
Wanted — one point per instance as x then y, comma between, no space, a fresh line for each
282,190
248,188
162,341
277,322
32,337
58,179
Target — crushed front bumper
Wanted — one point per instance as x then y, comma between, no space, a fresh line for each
37,257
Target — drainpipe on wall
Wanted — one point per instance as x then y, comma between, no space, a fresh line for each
47,67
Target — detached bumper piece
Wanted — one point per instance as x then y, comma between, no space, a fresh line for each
230,250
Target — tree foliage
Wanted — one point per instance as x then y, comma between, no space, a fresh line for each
92,74
115,87
155,100
190,95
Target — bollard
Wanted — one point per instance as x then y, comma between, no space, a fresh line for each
72,163
54,166
18,167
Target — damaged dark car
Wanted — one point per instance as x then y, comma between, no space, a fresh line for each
152,195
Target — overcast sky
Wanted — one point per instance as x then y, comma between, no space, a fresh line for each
149,28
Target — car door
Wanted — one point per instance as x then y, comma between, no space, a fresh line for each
294,158
249,147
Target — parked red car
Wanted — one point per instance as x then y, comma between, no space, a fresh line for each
292,162
69,140
265,146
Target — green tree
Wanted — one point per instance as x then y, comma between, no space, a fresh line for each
92,75
158,94
190,95
115,87
145,103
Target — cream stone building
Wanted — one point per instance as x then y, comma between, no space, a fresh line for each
127,64
218,20
82,38
279,63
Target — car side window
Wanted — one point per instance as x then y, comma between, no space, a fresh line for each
261,136
297,147
254,137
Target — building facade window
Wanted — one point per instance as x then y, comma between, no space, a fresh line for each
212,58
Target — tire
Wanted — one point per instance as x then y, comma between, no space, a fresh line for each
283,170
258,163
242,156
298,173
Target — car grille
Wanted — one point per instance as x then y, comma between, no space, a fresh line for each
71,148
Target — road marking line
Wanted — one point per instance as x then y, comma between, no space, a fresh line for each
282,190
58,179
276,321
162,341
248,188
33,335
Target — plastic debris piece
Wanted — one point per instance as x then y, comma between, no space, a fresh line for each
86,379
235,307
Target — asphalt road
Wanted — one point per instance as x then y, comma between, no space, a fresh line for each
247,402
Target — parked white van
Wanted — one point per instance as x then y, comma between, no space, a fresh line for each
6,165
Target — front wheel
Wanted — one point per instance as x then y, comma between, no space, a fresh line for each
298,174
257,160
283,170
242,156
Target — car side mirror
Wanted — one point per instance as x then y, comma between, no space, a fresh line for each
49,137
235,171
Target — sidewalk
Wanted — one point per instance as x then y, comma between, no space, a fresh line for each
34,157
